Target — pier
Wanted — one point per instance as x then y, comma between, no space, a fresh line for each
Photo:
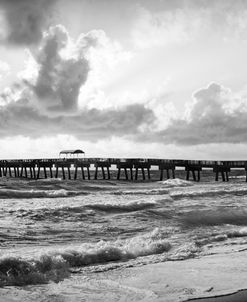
131,169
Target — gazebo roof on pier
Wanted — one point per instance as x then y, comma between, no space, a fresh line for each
77,151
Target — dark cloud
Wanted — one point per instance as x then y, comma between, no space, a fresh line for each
59,78
18,118
26,20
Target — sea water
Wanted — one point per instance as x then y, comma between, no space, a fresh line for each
57,237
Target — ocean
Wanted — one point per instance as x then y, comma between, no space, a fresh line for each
61,239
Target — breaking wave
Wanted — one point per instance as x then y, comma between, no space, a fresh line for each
55,265
159,191
10,193
177,182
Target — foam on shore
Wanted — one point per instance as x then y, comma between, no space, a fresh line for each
173,281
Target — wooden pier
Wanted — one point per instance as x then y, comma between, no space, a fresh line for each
131,169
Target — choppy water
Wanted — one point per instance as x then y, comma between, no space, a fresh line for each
51,230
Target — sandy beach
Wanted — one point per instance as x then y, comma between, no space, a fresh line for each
174,281
209,276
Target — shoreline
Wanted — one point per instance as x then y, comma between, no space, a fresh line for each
213,278
239,296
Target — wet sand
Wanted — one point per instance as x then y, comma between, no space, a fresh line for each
214,278
217,276
240,296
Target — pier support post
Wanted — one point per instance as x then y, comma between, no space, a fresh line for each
25,169
103,172
161,174
31,172
168,167
125,166
108,173
119,171
143,174
149,176
131,173
83,174
223,170
38,172
56,175
34,173
45,174
96,173
51,174
193,169
63,172
102,165
69,175
126,174
136,175
75,173
81,166
142,165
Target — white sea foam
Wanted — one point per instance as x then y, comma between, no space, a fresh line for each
24,193
177,182
154,191
54,264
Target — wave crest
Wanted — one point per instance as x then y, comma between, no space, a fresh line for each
177,182
55,265
10,193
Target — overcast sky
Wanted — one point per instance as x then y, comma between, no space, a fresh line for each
123,78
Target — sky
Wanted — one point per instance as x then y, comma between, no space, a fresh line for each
123,78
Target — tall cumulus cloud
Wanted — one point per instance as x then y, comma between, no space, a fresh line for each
45,101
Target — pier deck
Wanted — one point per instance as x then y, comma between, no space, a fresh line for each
31,168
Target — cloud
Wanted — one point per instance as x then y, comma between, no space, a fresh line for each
4,69
60,76
18,118
64,72
25,20
159,28
45,100
216,115
189,21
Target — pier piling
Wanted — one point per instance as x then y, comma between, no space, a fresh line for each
125,166
43,168
143,166
193,169
223,171
103,165
168,167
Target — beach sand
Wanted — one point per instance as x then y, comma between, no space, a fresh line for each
173,281
209,276
240,296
